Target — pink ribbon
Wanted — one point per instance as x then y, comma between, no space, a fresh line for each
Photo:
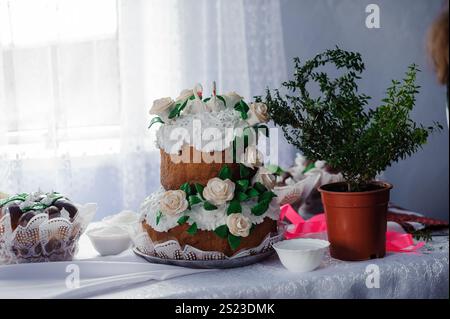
395,242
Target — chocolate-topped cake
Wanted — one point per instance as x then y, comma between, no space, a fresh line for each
39,227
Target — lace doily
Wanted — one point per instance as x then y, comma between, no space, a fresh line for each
43,239
171,249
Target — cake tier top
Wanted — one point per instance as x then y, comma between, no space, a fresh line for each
23,207
209,124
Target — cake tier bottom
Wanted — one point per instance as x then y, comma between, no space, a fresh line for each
208,240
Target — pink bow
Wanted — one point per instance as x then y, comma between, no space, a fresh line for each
395,242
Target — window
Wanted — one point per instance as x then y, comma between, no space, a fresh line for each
59,77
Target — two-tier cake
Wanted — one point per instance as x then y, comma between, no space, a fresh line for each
216,195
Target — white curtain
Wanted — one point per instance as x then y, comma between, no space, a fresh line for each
77,78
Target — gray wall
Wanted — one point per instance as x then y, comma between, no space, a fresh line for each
311,26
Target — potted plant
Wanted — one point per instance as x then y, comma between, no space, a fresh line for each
336,125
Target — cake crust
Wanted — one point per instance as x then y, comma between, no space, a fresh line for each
208,240
173,175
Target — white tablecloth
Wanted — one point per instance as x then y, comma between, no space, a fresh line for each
424,275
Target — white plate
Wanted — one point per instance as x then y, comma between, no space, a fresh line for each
207,264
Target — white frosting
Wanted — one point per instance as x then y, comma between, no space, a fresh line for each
173,135
205,220
125,217
108,231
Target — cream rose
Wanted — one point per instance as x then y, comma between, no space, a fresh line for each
239,225
161,107
218,191
252,157
185,94
173,202
258,113
215,104
232,98
265,177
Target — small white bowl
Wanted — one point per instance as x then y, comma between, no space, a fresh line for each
301,254
109,240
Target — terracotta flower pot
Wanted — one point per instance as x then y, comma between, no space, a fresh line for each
356,221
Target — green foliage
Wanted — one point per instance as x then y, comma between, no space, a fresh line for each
208,206
192,230
260,208
199,188
186,188
225,173
242,108
158,217
155,120
338,126
244,171
222,231
234,241
194,200
176,111
182,220
242,184
234,207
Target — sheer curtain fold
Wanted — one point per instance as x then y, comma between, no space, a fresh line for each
77,80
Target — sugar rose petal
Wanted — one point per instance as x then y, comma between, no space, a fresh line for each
258,113
218,191
239,225
173,202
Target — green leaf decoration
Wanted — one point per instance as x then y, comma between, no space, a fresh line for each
241,196
192,97
35,206
222,231
244,171
5,201
242,184
309,167
209,206
260,208
199,188
155,120
186,188
182,220
225,173
275,169
266,196
176,111
207,99
234,241
222,99
234,207
242,108
252,193
260,187
158,217
183,106
194,200
193,229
